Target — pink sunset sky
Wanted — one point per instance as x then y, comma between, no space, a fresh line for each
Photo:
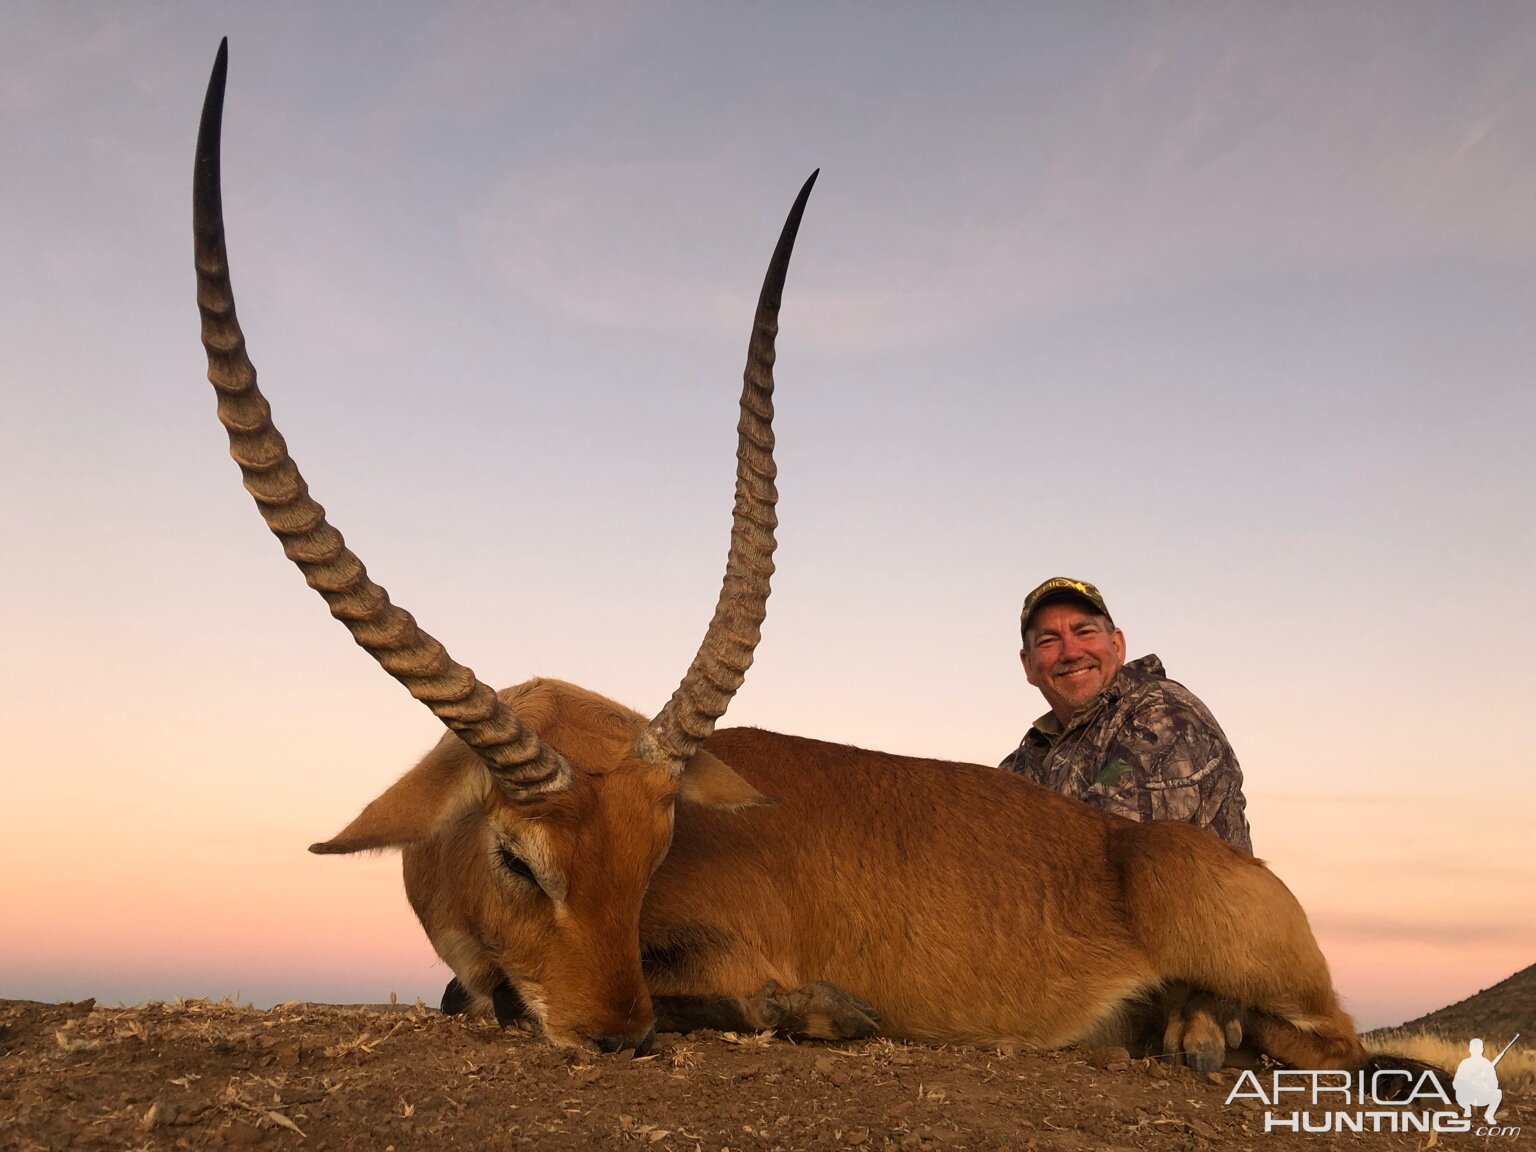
1225,308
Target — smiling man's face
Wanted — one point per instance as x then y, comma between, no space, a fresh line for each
1071,653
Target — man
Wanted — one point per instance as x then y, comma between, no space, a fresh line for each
1121,737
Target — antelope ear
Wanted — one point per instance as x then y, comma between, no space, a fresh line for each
449,780
706,780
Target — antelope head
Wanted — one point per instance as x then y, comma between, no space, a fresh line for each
531,831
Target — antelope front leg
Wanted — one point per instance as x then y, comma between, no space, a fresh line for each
505,1002
818,1011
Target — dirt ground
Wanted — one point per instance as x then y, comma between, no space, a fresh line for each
200,1075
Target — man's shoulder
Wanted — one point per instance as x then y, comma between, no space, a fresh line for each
1149,693
1145,680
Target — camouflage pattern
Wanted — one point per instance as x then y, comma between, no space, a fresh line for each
1146,749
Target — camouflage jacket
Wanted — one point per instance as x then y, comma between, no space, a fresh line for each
1145,748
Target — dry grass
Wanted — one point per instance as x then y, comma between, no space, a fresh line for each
1517,1071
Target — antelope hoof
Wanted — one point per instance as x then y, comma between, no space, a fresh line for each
1201,1028
510,1010
456,999
1203,1045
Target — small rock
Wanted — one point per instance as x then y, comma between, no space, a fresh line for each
159,1113
192,1115
1110,1059
856,1137
839,1077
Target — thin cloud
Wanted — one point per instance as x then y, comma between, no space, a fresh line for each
1380,930
1205,152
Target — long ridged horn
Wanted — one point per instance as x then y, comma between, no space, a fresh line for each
726,653
513,752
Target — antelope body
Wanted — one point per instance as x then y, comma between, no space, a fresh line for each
962,903
572,860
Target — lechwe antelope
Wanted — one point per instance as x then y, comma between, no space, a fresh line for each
574,861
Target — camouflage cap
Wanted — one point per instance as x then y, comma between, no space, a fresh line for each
1062,588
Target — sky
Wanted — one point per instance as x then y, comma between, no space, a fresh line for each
1227,308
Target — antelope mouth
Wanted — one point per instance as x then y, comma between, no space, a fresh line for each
525,1006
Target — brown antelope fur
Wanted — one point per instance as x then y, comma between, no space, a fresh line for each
574,861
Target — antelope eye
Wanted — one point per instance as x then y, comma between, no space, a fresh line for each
516,865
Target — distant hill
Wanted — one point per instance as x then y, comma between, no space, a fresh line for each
1495,1013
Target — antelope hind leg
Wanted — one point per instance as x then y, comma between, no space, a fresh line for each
818,1011
1217,919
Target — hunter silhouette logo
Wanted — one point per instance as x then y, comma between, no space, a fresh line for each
1477,1084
